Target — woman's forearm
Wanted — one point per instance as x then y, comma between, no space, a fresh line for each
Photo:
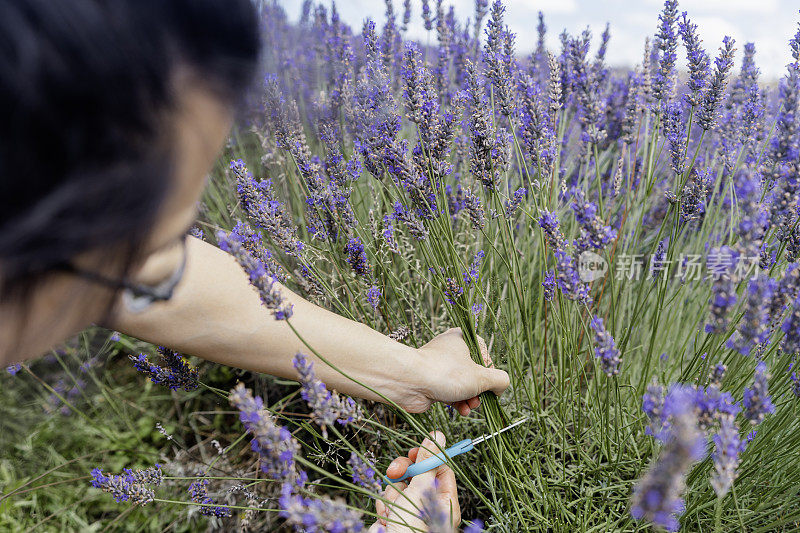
215,314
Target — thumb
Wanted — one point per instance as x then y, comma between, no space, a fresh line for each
426,450
494,380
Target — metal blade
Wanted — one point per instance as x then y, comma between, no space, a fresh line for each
484,437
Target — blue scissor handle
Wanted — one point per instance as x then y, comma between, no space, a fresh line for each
432,462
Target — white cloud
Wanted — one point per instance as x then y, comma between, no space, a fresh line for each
725,6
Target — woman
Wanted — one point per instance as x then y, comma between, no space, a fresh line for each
113,113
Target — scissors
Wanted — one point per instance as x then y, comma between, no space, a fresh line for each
456,449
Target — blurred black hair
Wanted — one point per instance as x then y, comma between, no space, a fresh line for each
85,92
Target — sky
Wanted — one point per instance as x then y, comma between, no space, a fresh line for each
768,23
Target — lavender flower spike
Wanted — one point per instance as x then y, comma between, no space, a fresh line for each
131,485
757,402
606,349
364,474
176,375
257,273
318,515
727,448
657,497
712,97
327,407
199,491
273,443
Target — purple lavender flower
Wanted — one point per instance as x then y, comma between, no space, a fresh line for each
270,296
754,327
498,55
675,131
326,407
791,327
657,496
475,527
199,491
432,513
569,281
374,296
427,17
723,297
474,209
132,485
697,58
594,234
253,242
727,448
472,275
707,116
452,290
364,474
605,348
317,514
795,384
412,222
552,233
13,369
549,285
667,45
490,146
406,15
757,401
512,204
274,444
264,210
357,257
177,374
653,408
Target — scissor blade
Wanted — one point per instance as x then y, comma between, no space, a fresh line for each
484,437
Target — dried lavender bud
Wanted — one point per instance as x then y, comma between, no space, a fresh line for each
400,333
554,87
452,290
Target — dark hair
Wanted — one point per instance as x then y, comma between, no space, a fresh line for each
85,88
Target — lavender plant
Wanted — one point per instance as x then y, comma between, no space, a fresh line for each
623,240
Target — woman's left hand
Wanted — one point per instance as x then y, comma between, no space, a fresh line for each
452,376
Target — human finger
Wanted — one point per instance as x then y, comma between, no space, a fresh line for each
398,467
428,449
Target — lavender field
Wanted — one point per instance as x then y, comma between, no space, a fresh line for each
625,241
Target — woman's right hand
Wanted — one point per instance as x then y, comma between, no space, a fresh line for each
404,500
